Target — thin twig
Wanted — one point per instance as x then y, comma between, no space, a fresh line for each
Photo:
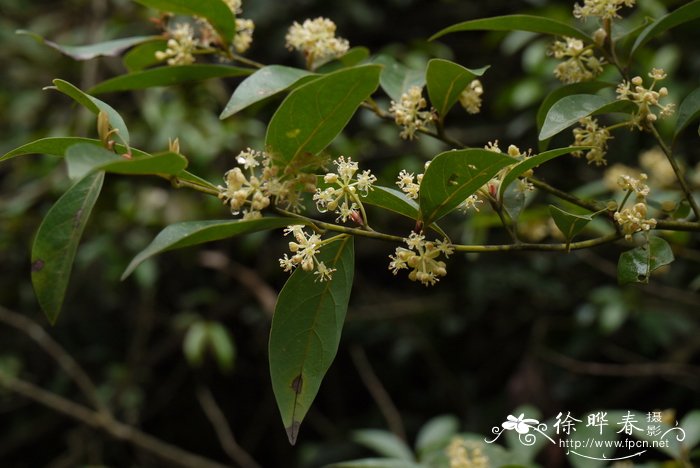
69,365
106,423
589,205
223,430
379,394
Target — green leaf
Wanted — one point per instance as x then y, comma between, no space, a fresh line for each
392,200
57,241
436,433
636,265
188,233
691,425
84,158
453,176
688,12
446,80
167,76
534,161
314,113
57,146
397,78
87,52
194,345
688,111
375,463
306,330
216,12
530,23
568,223
144,55
94,105
352,57
222,346
384,443
570,109
262,84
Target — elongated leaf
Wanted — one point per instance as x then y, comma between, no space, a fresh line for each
570,109
167,76
375,463
436,433
55,146
534,161
454,175
57,241
144,55
530,23
688,111
397,78
314,113
392,200
84,158
568,223
684,14
384,443
94,105
87,52
305,333
216,12
188,233
636,265
587,87
352,57
446,80
262,84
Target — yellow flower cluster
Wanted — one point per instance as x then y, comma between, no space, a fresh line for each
342,196
591,134
634,219
304,249
580,64
410,112
421,257
466,454
316,40
646,98
470,98
604,9
180,46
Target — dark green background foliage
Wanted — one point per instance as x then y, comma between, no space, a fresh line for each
551,330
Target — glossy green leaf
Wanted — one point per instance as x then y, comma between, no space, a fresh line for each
57,241
530,23
636,265
167,76
570,109
262,84
691,424
392,200
384,443
688,111
684,14
397,78
375,463
87,52
94,105
144,55
55,146
188,233
216,12
306,330
445,81
436,433
453,176
314,113
84,158
568,223
352,57
534,161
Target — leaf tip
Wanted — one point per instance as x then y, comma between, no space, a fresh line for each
293,432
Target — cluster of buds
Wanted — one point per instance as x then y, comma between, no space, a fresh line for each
493,185
345,188
244,29
466,454
252,193
244,35
410,112
580,64
646,98
470,98
304,249
180,46
633,184
603,9
316,40
634,219
591,134
421,257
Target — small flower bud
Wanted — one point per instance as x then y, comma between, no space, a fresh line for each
599,37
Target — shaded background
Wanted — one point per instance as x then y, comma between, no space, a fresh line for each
550,330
